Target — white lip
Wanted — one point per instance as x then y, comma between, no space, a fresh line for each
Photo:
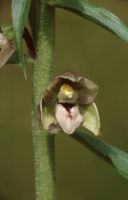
69,119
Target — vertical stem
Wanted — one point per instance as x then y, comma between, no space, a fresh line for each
42,71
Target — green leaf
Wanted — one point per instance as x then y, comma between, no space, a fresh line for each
96,14
20,9
118,158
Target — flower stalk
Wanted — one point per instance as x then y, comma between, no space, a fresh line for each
42,73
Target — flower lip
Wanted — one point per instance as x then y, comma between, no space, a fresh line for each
68,117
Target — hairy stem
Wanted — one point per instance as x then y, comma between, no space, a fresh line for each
42,72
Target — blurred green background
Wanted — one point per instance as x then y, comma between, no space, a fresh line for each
89,50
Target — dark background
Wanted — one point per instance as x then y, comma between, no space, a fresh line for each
95,53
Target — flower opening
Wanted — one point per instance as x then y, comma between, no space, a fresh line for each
68,103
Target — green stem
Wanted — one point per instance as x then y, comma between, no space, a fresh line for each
42,72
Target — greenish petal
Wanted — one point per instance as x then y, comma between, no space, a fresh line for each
91,119
48,121
47,118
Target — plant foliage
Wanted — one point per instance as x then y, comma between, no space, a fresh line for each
118,158
96,14
101,17
20,9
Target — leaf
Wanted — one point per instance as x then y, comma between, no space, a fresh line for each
96,14
91,119
118,158
20,9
